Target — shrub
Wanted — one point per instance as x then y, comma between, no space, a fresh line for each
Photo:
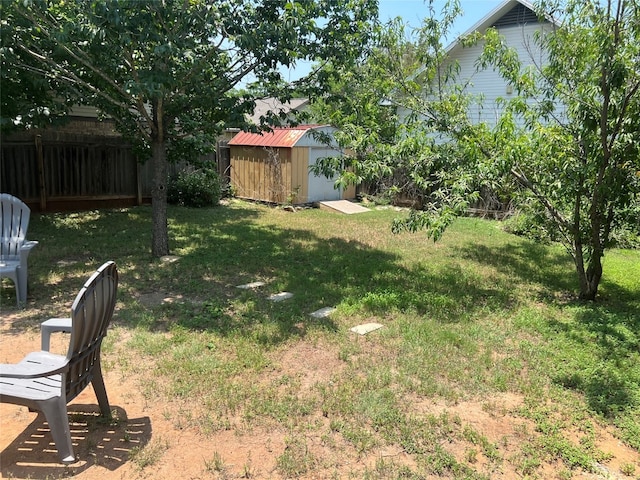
530,224
197,188
627,233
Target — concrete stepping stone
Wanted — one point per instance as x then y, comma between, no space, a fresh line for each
366,328
323,312
248,286
278,297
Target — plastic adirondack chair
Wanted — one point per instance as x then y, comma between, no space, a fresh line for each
46,382
14,248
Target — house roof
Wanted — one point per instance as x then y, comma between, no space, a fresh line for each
506,10
279,137
507,7
265,105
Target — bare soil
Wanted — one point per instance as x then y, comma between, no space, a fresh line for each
142,443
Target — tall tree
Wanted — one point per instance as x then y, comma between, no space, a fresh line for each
166,71
569,140
578,154
355,103
407,74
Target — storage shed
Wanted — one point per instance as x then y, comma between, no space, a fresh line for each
274,166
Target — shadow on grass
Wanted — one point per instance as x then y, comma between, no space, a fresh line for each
220,248
528,262
608,329
610,376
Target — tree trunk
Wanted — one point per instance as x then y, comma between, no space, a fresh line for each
589,278
160,231
594,274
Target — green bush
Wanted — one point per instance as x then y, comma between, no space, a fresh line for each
529,224
626,237
627,233
198,188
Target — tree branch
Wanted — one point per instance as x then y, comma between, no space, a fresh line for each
522,179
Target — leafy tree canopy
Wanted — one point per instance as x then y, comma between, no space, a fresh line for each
167,71
567,143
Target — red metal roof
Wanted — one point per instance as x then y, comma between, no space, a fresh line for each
279,137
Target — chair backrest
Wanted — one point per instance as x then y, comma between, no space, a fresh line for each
90,316
14,221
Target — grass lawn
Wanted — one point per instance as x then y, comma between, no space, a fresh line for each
481,321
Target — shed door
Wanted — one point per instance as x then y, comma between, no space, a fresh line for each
320,187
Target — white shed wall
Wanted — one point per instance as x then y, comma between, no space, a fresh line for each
310,140
321,188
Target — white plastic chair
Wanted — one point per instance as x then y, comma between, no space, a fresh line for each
47,382
14,248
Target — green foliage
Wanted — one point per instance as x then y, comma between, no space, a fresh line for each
196,188
357,103
571,136
566,145
530,222
167,72
27,100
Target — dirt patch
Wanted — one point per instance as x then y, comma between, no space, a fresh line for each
140,443
145,442
312,364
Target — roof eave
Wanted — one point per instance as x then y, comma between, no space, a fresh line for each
492,17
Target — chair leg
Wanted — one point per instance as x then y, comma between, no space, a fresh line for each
21,286
55,411
15,278
101,392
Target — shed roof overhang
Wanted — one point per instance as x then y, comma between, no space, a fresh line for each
279,137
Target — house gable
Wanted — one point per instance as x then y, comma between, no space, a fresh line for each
517,22
520,14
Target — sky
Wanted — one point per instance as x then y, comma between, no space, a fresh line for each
413,11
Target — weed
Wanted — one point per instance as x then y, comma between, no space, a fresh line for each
247,469
149,454
471,455
216,464
628,469
296,459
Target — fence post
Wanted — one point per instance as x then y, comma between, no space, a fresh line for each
41,175
138,181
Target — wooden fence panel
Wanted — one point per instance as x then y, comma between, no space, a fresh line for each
18,170
71,172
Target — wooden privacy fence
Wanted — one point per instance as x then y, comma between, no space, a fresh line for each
75,172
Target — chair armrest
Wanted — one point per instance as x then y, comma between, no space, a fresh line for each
35,365
26,247
50,326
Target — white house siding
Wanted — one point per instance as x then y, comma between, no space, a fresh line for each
488,84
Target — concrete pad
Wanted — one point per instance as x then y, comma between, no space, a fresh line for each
323,312
366,328
278,297
247,286
343,206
